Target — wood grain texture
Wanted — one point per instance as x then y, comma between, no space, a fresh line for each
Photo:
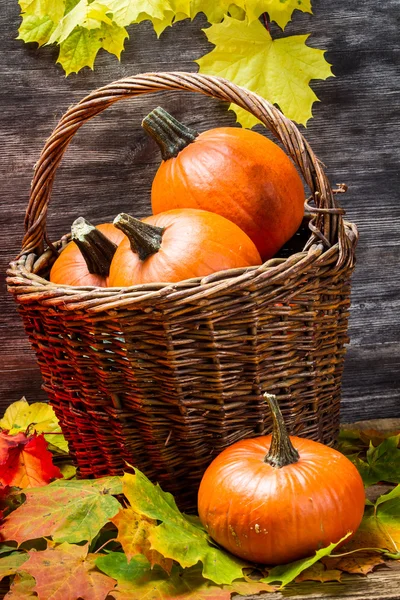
110,164
382,584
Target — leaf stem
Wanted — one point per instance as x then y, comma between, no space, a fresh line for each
381,550
104,545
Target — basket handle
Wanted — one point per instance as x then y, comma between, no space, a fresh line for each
327,224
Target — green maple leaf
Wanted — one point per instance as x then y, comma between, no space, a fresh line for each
36,29
39,417
380,527
279,11
177,537
279,70
137,581
382,464
69,511
79,50
287,573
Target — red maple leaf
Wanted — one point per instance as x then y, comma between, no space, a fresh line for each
3,494
25,461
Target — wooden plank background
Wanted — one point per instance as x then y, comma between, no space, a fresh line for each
110,164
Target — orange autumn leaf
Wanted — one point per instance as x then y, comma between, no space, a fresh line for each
67,572
25,461
358,562
318,572
133,535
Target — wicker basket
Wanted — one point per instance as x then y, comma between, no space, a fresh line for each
165,376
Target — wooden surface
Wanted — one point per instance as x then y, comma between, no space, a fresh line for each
110,164
382,584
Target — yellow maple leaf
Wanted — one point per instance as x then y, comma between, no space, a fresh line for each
133,535
279,70
278,11
214,11
39,417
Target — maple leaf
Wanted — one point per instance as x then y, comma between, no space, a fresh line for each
39,416
22,587
137,581
126,12
36,29
79,50
11,563
318,572
279,70
357,562
54,9
278,11
69,511
84,15
67,572
214,11
287,573
358,440
380,527
382,464
177,537
113,38
247,588
25,461
133,532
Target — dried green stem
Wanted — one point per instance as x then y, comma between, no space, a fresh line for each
145,239
281,452
95,247
171,135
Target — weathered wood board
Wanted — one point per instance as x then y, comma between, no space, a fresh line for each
110,164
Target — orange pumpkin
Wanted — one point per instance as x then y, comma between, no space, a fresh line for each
237,173
86,260
176,245
276,499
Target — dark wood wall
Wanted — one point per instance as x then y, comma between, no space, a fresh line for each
110,164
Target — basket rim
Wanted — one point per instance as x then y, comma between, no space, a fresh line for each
31,287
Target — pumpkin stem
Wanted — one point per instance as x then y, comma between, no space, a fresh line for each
171,135
95,247
145,239
282,451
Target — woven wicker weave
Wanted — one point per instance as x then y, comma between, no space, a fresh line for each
166,376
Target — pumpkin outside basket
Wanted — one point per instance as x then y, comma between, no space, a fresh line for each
165,376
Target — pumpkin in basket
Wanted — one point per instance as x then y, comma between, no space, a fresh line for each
86,260
178,244
237,173
276,499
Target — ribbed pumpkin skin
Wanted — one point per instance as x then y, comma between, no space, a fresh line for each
241,175
70,267
275,516
195,243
